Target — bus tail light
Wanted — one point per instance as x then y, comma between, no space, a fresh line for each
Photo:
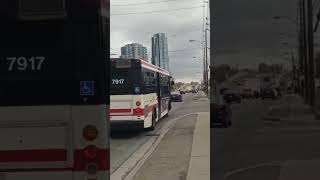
90,132
90,152
138,112
138,103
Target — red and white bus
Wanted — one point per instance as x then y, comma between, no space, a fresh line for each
54,121
139,94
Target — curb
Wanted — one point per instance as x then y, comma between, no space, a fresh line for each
199,163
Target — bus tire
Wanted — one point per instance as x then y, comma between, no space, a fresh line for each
153,121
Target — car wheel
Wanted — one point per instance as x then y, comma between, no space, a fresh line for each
225,124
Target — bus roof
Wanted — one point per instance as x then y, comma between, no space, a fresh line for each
147,65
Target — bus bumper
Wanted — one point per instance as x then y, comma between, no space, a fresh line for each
127,124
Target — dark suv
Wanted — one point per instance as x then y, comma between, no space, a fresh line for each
268,93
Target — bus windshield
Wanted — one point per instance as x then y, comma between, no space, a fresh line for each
125,81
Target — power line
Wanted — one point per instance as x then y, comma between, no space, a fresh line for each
134,4
180,33
179,9
181,50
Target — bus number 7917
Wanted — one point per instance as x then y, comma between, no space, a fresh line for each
117,81
23,63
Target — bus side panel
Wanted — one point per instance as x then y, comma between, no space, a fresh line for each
148,104
165,105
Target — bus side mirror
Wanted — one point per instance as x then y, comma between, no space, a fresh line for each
172,83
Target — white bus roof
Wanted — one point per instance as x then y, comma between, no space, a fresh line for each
148,65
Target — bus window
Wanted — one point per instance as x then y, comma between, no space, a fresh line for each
124,81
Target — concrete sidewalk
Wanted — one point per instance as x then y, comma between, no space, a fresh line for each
199,166
183,153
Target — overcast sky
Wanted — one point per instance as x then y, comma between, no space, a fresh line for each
179,25
246,34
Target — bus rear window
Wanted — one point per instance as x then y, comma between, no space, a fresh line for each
125,81
42,9
123,63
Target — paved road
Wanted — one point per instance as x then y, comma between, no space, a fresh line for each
124,144
250,144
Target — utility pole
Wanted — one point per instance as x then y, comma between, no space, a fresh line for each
204,67
310,52
206,61
294,80
300,67
304,52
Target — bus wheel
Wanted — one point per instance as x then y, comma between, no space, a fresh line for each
153,121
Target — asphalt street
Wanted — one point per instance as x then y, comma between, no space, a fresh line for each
124,143
252,149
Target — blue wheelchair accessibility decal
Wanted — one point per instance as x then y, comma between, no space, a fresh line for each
87,88
137,90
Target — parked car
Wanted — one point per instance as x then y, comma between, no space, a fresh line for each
182,92
268,93
176,97
256,94
279,94
221,115
231,96
247,93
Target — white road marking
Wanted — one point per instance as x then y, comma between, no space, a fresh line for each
240,170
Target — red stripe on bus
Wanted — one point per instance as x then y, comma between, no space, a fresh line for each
155,67
120,110
53,155
121,114
33,155
150,108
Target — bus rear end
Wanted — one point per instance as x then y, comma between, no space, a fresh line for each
126,87
53,107
135,93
